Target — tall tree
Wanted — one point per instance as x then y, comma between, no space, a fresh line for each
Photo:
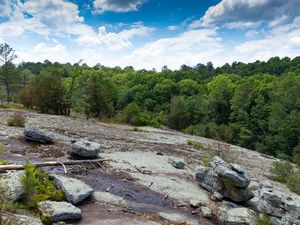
7,56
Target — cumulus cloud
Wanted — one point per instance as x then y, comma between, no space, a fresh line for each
250,12
190,47
102,6
113,41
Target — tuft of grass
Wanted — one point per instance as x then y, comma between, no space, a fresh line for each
293,182
264,220
136,129
2,149
3,162
16,120
38,187
195,144
282,170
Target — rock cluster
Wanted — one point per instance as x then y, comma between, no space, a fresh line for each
225,180
277,202
84,149
35,135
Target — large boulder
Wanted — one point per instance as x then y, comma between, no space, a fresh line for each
227,179
35,135
75,190
11,183
84,149
240,216
278,202
59,211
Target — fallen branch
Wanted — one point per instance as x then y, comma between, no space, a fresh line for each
4,168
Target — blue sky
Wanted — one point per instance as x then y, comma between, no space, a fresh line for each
151,33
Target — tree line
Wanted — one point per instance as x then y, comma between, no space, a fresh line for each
254,105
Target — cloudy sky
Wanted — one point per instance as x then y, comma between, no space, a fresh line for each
151,33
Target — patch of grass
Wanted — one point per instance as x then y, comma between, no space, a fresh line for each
264,220
195,144
3,162
16,120
282,169
2,149
38,187
136,129
293,182
46,220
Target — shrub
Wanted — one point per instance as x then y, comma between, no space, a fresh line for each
264,220
2,149
293,182
282,169
16,120
38,187
296,154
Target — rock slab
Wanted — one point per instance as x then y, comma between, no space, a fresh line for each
11,183
84,149
75,190
240,216
17,219
59,211
35,135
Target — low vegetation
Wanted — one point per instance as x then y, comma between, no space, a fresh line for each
16,120
264,220
286,173
38,187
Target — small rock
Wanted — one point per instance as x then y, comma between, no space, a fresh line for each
237,168
206,212
179,165
160,153
253,186
217,197
59,211
12,185
270,176
16,219
75,190
106,197
84,149
177,218
240,216
196,203
287,220
35,135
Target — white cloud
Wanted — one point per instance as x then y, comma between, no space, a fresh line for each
250,11
113,41
172,28
102,6
5,8
190,47
41,52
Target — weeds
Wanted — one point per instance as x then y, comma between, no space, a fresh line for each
16,120
195,144
2,149
264,220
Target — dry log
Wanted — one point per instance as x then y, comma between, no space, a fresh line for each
4,168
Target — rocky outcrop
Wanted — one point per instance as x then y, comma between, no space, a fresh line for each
59,211
226,179
35,135
11,183
75,190
278,202
84,149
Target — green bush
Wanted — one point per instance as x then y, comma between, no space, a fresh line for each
296,155
264,220
282,170
16,120
293,182
38,187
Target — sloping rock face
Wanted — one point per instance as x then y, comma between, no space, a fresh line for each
34,135
12,185
227,179
278,202
59,211
75,190
240,216
84,149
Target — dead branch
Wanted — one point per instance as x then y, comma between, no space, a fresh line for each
4,168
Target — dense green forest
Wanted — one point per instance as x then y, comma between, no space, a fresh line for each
254,105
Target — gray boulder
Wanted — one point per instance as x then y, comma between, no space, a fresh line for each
287,220
278,202
240,216
84,149
59,211
229,180
75,190
11,183
35,135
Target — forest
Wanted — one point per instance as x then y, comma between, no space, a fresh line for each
253,105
